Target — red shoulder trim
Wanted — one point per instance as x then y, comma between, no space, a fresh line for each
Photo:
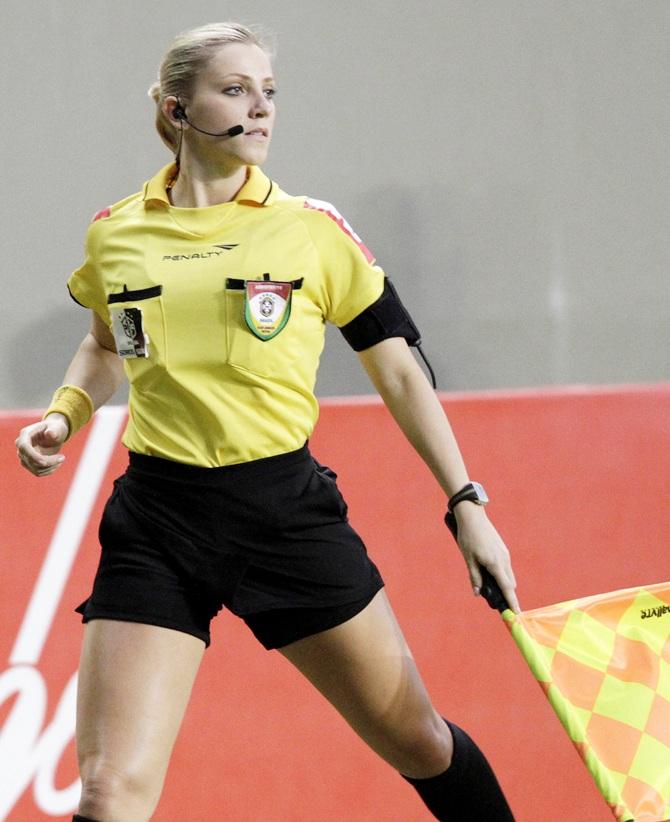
336,217
99,215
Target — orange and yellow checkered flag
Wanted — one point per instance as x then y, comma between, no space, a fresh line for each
604,664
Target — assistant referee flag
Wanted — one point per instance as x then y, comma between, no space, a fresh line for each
604,664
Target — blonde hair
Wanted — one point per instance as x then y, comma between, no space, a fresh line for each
186,57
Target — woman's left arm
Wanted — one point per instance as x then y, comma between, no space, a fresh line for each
407,394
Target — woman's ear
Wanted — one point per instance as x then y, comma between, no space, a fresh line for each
173,110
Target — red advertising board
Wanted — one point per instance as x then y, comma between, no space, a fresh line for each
578,482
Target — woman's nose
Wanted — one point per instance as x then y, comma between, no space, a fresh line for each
261,106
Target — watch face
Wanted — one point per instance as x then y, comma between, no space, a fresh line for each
482,496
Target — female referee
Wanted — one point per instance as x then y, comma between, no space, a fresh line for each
210,289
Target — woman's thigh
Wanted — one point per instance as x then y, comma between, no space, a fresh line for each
134,684
365,669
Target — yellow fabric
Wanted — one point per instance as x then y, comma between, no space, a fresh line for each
74,404
210,392
604,663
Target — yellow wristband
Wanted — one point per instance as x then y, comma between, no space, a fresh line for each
74,404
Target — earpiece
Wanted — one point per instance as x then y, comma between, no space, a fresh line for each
178,113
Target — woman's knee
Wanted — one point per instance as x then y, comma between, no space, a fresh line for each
422,747
116,794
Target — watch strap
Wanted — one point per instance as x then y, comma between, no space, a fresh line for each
471,492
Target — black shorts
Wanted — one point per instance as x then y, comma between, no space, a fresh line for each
267,539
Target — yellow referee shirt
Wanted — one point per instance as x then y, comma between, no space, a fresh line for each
219,314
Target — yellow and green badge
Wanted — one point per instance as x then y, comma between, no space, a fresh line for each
267,307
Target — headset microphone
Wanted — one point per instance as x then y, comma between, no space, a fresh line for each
180,114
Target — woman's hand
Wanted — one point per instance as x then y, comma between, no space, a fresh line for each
97,370
38,445
481,545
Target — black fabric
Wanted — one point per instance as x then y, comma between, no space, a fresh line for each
467,790
279,627
268,538
136,295
239,285
386,317
78,818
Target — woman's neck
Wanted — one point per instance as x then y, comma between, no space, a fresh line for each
196,187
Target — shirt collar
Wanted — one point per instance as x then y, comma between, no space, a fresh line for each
258,190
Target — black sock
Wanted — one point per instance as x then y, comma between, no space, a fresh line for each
468,790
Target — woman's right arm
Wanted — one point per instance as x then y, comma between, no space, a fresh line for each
96,369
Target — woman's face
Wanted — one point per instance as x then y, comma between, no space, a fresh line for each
236,88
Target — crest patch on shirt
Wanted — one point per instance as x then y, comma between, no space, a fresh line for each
129,335
267,307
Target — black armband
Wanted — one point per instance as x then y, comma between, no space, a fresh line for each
386,317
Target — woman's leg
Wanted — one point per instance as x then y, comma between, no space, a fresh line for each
134,684
366,671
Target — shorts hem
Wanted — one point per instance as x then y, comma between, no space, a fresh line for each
146,619
268,629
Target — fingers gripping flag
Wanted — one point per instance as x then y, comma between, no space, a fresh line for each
604,664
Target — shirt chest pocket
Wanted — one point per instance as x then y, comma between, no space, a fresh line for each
264,330
137,320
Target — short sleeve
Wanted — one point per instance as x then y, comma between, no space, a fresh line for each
351,280
85,284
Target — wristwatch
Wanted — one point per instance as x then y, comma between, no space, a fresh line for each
472,492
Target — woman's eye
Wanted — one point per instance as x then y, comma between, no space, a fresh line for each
270,92
233,90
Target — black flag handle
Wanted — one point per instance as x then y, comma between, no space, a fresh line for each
491,592
490,589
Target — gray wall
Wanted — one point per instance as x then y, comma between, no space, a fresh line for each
506,160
